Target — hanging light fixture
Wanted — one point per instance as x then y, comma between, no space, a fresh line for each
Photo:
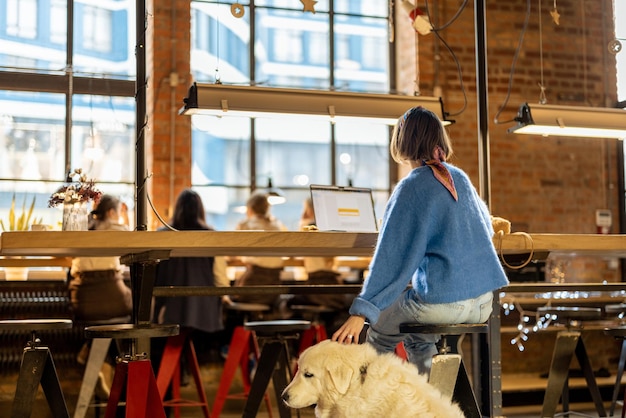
275,196
551,120
254,101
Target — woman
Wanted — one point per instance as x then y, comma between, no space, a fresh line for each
436,236
98,279
259,270
201,313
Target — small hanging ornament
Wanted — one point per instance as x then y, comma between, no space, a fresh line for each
309,5
555,14
237,10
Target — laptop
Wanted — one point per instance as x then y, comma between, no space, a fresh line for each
346,209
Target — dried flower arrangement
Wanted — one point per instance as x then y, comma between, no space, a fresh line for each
75,191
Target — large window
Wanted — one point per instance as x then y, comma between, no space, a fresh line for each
282,46
60,112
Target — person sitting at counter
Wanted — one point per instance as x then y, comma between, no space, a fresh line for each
436,235
260,271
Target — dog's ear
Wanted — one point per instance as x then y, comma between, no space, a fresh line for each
340,374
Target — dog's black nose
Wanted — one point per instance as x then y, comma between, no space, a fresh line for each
285,396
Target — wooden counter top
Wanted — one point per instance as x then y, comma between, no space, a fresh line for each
186,243
270,243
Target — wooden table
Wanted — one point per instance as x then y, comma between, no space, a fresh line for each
142,250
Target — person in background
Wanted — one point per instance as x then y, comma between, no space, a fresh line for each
197,313
97,279
320,271
97,288
259,270
436,235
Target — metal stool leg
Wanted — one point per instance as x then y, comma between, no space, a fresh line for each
38,368
97,354
618,378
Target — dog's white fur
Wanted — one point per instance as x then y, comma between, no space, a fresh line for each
349,380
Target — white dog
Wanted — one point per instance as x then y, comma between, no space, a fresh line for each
347,381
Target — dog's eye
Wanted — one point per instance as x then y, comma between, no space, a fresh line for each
308,375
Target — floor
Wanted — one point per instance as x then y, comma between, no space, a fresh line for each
71,375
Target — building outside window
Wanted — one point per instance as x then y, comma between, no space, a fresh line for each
36,149
346,50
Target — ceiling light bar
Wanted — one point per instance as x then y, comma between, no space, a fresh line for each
255,101
551,120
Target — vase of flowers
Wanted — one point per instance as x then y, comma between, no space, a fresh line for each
75,197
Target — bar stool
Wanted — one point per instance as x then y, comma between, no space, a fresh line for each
96,358
568,343
317,331
618,309
133,372
274,362
448,372
243,345
37,368
169,373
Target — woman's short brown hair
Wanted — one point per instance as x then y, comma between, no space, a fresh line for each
417,135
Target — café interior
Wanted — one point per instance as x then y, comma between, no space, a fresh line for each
528,93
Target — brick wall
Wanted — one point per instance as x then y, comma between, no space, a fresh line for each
540,184
169,80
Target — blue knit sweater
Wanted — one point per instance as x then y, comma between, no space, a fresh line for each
441,246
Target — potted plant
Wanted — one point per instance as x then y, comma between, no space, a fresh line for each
21,222
18,222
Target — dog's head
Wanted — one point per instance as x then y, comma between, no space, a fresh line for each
325,373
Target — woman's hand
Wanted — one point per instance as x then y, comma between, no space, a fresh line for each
350,330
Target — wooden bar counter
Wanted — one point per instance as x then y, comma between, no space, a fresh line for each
143,249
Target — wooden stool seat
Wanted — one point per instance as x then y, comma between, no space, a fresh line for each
37,368
448,372
569,343
34,324
95,359
133,372
131,331
273,361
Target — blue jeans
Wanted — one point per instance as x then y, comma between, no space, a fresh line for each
385,334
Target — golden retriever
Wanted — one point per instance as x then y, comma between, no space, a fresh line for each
349,380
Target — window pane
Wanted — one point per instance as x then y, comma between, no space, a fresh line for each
362,154
32,138
293,151
292,49
58,22
22,18
103,137
104,38
361,54
219,43
220,151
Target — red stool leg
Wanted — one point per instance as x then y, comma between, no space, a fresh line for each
195,371
170,362
117,387
142,395
237,350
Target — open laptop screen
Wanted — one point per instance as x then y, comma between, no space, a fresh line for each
348,209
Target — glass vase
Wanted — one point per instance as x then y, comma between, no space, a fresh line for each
75,216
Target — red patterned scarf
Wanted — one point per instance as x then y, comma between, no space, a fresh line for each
442,174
